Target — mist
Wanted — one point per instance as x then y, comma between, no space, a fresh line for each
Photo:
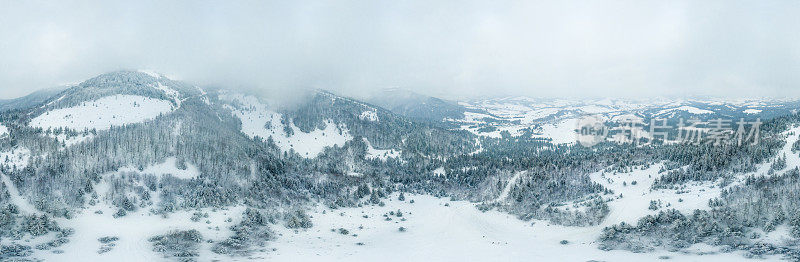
450,49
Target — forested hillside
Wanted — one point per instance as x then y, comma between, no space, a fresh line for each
127,145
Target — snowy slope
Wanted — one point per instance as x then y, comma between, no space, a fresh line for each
382,154
23,204
636,196
15,158
457,232
3,130
73,140
103,113
562,132
258,120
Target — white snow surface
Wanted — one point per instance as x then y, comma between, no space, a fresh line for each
530,117
636,198
369,115
562,132
690,109
258,120
458,232
23,204
103,113
3,130
15,158
174,94
134,230
752,111
509,185
382,154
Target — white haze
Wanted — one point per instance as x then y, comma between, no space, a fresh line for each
453,49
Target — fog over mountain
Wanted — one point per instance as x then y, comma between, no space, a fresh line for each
399,131
448,49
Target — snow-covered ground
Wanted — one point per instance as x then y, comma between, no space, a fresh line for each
382,154
689,109
172,93
3,130
258,120
561,133
15,158
792,159
134,230
369,115
509,185
442,230
103,113
23,204
533,115
635,188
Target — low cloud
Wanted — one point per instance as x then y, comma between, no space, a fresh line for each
452,49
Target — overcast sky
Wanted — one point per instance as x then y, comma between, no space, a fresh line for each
453,49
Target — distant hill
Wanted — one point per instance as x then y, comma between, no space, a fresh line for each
31,99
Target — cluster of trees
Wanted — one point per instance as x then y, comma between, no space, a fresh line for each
181,244
252,232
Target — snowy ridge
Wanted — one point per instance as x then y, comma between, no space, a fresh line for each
150,72
103,113
689,109
174,94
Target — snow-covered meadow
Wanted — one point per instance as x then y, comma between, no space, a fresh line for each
103,113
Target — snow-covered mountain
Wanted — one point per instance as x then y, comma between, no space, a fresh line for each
554,119
135,166
31,99
420,107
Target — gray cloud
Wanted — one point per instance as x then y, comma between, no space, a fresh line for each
453,49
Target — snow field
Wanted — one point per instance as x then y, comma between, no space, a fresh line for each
456,232
103,113
3,130
258,120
